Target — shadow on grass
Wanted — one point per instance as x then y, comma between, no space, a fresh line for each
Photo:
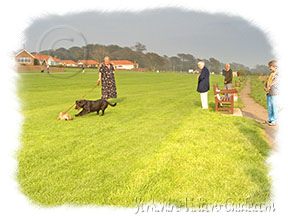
255,137
260,178
197,103
117,100
257,175
212,106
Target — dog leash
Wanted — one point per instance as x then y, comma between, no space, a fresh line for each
83,96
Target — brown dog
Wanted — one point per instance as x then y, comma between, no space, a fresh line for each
64,116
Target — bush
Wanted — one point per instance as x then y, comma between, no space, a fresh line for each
36,62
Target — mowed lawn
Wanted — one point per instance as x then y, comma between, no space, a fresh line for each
156,144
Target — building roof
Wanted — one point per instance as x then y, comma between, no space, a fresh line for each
41,57
55,59
88,62
68,62
23,50
121,62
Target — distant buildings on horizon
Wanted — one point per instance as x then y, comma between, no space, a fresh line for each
25,58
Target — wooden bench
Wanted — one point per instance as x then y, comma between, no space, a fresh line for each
224,103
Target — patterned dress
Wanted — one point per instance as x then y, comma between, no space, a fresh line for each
108,82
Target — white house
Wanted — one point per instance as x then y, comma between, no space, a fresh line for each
46,59
124,64
69,63
88,63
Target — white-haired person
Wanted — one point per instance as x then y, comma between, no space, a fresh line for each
203,84
106,75
271,88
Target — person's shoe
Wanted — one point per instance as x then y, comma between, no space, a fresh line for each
272,124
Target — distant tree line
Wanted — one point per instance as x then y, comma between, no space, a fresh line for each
138,53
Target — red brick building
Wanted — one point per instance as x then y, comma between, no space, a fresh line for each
24,58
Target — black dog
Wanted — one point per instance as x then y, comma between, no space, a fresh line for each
92,106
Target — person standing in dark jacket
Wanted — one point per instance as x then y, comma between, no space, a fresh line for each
228,78
203,84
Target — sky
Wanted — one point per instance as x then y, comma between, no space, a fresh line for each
164,31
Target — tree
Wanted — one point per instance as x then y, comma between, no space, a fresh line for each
77,53
166,64
36,62
237,66
192,62
261,69
215,65
182,57
155,61
181,62
175,63
139,47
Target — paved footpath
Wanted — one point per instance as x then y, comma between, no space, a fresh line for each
259,113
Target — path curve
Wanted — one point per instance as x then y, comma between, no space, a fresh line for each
259,113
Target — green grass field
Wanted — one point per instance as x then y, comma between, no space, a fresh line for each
156,144
257,91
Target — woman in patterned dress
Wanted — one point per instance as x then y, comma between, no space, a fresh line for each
106,75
